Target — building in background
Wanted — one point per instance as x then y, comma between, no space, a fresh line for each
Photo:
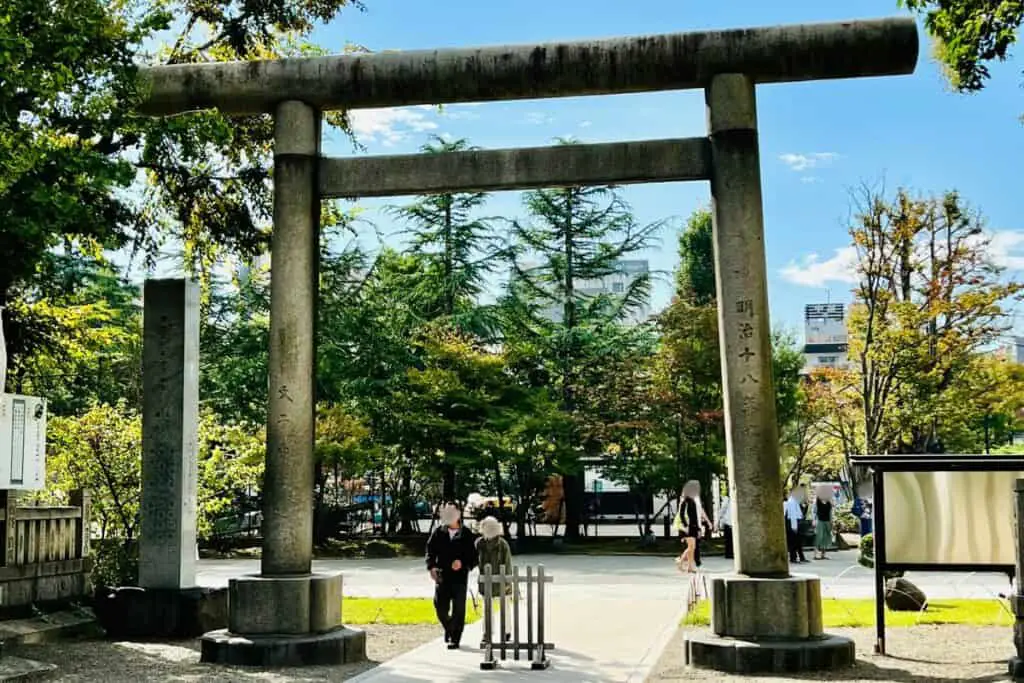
1013,347
826,339
615,285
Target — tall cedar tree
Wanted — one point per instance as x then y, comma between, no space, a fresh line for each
576,235
460,250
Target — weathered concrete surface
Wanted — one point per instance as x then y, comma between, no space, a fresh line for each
751,432
288,481
745,607
675,61
708,651
170,432
341,646
260,606
516,169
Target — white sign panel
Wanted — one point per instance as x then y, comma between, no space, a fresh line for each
22,442
950,517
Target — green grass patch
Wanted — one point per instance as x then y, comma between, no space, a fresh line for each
861,613
396,611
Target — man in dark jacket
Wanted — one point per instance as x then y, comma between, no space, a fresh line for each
451,556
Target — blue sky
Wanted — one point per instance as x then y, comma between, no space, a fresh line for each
819,140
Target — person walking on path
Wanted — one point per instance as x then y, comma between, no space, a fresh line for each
793,514
451,556
689,520
823,511
492,549
725,524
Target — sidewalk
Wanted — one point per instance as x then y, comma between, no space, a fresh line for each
597,640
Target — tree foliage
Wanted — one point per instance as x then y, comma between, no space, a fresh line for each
971,33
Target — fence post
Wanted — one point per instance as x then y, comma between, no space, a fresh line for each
82,499
515,613
542,660
10,505
1017,600
488,598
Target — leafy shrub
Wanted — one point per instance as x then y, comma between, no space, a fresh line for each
866,556
115,563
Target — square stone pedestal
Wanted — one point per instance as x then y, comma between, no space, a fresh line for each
767,626
285,621
130,612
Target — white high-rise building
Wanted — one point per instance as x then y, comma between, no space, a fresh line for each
826,338
615,284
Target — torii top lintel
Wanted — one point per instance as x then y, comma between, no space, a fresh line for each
675,61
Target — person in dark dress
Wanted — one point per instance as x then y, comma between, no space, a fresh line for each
688,523
451,555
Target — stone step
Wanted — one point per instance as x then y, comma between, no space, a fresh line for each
48,628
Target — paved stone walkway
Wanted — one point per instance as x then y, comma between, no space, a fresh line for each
610,617
599,640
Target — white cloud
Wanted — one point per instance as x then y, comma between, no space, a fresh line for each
802,162
390,126
813,272
810,179
1007,249
585,124
537,118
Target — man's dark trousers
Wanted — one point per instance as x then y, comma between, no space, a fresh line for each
727,536
792,541
450,605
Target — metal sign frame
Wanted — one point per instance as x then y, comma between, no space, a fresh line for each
880,465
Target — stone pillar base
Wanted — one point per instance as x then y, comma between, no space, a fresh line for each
341,646
129,612
732,655
284,621
767,626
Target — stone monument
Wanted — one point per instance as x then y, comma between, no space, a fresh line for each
763,618
167,601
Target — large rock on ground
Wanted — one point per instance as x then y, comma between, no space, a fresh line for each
903,596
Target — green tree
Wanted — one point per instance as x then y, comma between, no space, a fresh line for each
970,33
695,278
460,248
578,234
928,300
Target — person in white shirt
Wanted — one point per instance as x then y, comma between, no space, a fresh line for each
793,514
725,524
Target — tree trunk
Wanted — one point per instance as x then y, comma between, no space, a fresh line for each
448,483
405,495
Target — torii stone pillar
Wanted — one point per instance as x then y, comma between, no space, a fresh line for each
763,618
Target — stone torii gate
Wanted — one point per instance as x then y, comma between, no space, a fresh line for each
288,615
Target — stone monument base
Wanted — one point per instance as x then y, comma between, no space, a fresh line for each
732,655
341,646
285,621
767,625
130,612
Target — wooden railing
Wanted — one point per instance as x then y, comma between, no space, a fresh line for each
36,535
45,553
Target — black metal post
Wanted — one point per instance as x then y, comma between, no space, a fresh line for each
878,534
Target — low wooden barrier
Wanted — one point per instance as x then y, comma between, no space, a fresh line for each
498,587
45,554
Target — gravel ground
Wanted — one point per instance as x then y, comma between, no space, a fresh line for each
917,655
120,662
